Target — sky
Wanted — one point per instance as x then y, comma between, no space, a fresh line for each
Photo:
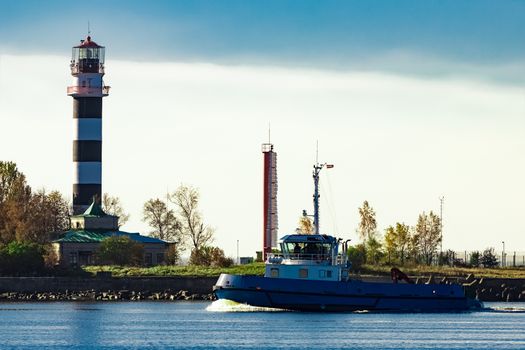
410,100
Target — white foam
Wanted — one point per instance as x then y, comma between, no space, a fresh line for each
225,305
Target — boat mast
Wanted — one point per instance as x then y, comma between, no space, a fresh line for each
317,170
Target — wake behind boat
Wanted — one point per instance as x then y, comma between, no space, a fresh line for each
312,273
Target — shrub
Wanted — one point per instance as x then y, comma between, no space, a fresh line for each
172,255
120,250
210,256
17,258
489,259
475,259
357,256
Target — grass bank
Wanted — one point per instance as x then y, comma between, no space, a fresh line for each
508,272
174,271
258,269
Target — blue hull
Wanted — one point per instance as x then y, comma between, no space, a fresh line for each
312,295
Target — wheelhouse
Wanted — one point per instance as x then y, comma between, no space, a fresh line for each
313,257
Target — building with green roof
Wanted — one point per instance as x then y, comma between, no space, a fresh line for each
79,245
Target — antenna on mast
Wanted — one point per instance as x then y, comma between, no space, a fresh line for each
316,151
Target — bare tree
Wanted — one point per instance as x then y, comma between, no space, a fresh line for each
186,198
113,206
163,221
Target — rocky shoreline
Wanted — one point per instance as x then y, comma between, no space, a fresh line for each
199,288
92,295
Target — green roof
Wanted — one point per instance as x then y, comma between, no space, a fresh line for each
83,236
94,210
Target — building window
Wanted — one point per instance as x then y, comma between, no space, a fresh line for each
303,273
73,259
274,272
160,258
148,259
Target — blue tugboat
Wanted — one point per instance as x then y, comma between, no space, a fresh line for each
312,274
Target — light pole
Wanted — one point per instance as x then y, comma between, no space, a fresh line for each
503,255
238,259
441,200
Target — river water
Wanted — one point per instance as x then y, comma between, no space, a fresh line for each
221,325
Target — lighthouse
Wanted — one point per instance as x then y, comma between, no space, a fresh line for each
88,89
270,218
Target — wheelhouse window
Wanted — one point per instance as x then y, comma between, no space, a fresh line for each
306,250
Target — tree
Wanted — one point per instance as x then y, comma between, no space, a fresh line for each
428,235
210,256
367,225
391,244
26,216
306,226
113,206
45,216
475,259
163,221
18,258
192,227
357,256
489,259
397,241
120,250
373,250
15,195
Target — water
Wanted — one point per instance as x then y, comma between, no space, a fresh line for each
203,325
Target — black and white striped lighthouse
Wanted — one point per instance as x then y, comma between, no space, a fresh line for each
87,69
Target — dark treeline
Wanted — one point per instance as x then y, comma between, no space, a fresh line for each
30,220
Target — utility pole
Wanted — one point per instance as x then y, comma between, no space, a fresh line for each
238,259
441,200
503,263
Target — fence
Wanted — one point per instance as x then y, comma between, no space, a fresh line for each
505,259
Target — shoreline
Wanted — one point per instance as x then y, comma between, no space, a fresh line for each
107,288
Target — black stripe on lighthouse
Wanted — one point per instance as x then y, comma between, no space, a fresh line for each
87,107
87,152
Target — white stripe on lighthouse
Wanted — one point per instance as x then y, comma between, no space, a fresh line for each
87,129
87,172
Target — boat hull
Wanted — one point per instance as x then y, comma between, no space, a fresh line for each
312,295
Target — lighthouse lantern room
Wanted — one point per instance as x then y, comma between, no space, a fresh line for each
87,69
